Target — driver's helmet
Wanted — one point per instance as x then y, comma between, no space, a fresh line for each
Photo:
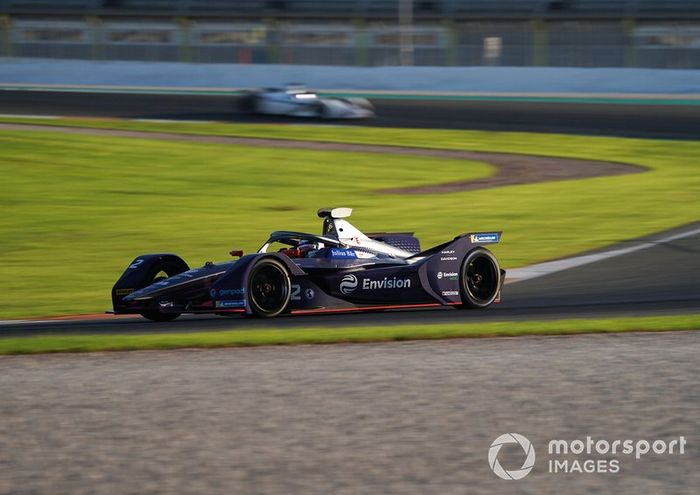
308,248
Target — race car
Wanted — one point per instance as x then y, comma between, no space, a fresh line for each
297,101
339,270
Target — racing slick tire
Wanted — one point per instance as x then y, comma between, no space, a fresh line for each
269,288
169,268
479,279
323,111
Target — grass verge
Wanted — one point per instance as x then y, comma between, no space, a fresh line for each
248,338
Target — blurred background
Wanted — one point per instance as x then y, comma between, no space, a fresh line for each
555,33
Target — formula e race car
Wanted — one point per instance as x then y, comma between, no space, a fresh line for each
340,270
296,101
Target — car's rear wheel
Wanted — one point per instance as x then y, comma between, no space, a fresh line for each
323,111
269,288
162,270
479,279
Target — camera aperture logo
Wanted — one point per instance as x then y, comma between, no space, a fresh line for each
514,474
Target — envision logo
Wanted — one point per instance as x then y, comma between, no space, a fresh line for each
515,474
348,284
386,283
452,275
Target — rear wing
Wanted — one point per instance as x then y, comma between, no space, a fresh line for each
465,241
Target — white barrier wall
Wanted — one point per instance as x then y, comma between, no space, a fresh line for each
491,80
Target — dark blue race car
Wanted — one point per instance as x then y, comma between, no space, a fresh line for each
340,270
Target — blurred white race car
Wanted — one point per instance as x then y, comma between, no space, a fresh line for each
297,101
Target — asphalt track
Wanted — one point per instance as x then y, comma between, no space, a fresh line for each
605,119
395,418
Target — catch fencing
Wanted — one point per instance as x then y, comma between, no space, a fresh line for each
517,38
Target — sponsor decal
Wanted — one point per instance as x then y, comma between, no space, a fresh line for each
450,292
451,251
123,292
227,292
309,294
230,304
450,275
448,258
386,283
348,284
488,237
342,253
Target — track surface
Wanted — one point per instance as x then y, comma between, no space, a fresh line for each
658,280
650,121
400,418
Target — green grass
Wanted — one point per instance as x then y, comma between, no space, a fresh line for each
77,209
241,338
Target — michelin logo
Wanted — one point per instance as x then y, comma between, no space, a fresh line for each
490,237
230,304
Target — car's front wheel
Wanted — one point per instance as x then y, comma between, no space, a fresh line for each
479,279
269,288
162,270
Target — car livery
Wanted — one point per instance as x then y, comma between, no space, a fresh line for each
296,101
342,269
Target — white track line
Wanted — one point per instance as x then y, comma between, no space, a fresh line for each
547,268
